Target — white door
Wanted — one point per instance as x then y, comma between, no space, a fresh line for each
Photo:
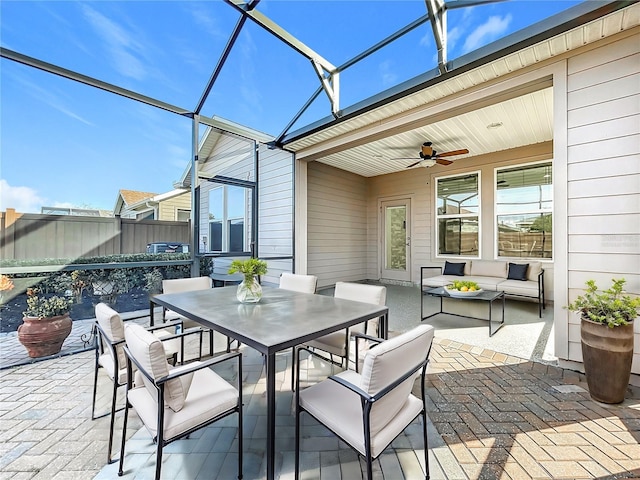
396,240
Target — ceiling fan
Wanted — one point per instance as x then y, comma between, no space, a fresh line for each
429,157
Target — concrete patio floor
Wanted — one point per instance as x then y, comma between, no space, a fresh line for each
493,413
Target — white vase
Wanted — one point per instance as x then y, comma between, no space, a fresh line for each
249,291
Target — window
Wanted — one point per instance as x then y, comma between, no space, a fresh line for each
524,211
457,215
146,215
228,219
183,215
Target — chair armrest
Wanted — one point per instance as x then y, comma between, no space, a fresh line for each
365,337
354,388
368,337
199,366
172,323
373,398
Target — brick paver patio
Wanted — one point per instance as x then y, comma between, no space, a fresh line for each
491,416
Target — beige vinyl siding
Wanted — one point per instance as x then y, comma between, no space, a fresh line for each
418,184
275,210
168,209
336,225
603,188
414,185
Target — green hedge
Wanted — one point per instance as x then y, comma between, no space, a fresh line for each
124,279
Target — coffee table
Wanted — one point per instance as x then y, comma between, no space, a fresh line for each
483,296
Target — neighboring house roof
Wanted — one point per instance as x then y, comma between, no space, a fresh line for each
126,198
157,198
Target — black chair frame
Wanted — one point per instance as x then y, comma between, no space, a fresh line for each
101,339
367,403
159,383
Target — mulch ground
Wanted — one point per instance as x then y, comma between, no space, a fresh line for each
11,312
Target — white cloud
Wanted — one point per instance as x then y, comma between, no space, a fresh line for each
120,44
488,31
389,77
22,199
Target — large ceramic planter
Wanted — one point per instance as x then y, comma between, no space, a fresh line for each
607,354
44,336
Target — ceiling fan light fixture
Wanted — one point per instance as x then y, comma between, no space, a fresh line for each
427,162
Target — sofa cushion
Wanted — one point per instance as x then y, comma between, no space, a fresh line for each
518,271
534,270
451,268
439,280
489,268
490,284
518,287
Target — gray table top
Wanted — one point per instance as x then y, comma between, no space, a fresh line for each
282,318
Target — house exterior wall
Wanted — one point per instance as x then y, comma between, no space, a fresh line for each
168,209
603,174
596,175
337,240
275,196
418,184
275,210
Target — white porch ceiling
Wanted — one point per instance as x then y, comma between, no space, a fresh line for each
524,120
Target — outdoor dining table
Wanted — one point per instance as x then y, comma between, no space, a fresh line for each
281,320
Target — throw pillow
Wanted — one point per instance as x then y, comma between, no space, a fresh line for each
454,269
518,271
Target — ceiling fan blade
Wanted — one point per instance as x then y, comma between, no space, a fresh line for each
414,164
442,161
453,152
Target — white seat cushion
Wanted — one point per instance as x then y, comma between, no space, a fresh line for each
341,409
333,343
148,350
113,327
106,361
298,283
208,396
336,342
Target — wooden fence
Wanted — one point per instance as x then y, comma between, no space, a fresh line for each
26,236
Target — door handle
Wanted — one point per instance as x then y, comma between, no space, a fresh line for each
408,241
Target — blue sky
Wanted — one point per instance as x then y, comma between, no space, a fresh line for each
66,144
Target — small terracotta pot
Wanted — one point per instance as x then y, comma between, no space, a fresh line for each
44,336
607,354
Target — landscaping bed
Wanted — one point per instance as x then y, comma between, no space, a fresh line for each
11,311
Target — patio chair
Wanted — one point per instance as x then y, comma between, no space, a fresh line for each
337,343
109,330
177,285
174,402
369,410
298,283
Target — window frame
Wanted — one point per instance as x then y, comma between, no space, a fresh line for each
226,219
496,214
477,215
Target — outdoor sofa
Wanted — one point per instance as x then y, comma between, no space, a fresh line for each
514,279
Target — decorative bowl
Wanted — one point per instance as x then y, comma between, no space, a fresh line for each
459,294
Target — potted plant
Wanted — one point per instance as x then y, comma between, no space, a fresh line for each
606,331
249,290
6,285
46,324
